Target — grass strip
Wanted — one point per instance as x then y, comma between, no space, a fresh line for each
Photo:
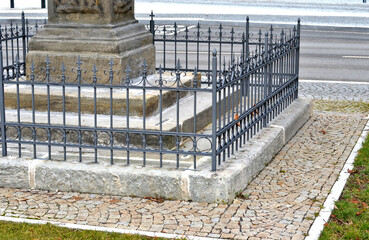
25,231
350,218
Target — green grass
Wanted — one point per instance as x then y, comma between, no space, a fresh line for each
350,219
341,106
23,231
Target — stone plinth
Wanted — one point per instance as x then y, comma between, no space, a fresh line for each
95,30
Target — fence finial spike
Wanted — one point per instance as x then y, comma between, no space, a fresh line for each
160,70
128,71
178,66
47,60
247,18
214,52
144,64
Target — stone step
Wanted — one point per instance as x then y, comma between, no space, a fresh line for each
119,100
152,123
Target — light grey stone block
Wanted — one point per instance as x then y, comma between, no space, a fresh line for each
14,173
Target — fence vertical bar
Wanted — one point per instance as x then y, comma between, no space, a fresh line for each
94,81
214,113
33,110
247,37
266,78
79,77
161,115
128,81
24,41
194,116
144,79
2,106
297,57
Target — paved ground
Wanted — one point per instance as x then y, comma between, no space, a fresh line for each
282,201
334,91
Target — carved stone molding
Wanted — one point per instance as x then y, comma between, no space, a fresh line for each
123,7
78,6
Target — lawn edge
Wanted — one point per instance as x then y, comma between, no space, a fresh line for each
102,229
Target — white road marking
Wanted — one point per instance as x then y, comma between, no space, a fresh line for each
356,57
331,81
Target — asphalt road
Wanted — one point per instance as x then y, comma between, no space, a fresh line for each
327,53
339,55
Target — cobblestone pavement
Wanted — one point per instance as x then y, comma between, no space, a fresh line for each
334,91
281,202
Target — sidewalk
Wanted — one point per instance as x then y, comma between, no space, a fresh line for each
282,202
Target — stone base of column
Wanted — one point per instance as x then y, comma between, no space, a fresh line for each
126,43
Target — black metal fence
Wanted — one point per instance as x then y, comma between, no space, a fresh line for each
14,42
159,119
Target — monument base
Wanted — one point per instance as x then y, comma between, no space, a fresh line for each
127,43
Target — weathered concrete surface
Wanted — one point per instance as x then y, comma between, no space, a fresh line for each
200,185
96,31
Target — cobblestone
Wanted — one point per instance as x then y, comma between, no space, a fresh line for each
281,204
340,91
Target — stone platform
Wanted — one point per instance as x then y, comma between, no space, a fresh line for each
201,185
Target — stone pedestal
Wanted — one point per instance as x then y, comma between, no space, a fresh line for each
95,30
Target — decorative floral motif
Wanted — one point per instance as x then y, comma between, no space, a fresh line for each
78,6
123,7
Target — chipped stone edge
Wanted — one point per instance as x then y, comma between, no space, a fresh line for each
102,229
337,189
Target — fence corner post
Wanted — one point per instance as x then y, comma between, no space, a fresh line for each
297,56
24,45
214,113
2,106
152,26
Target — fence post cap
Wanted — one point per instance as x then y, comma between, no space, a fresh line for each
214,52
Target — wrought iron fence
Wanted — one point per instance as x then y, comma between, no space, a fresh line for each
14,42
92,115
